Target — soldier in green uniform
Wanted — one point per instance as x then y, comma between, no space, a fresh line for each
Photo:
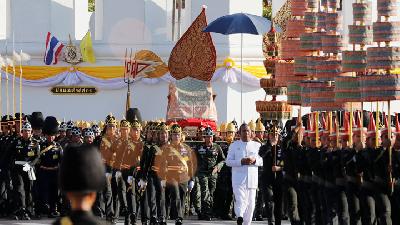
178,164
49,160
81,176
25,151
210,160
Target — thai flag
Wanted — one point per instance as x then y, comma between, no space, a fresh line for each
53,49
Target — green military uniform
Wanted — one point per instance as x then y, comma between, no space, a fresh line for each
210,160
223,196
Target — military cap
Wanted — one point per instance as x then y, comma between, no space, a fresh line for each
136,124
125,124
260,126
11,120
222,128
36,120
230,127
76,131
88,132
176,129
111,121
208,132
163,127
26,126
70,125
63,126
96,128
252,125
19,116
50,126
81,170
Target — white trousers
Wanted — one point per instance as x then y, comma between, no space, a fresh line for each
245,201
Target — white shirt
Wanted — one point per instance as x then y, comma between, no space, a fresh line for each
244,174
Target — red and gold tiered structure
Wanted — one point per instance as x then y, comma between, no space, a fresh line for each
273,110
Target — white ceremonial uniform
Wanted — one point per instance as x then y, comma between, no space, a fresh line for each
244,177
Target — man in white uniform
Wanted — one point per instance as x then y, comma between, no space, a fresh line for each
244,159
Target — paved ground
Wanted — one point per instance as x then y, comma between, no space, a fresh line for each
191,222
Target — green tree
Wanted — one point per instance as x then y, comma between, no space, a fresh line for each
91,5
267,9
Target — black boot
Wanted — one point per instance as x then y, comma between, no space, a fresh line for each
133,219
239,221
153,221
178,221
127,220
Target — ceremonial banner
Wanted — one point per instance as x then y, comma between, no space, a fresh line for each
191,98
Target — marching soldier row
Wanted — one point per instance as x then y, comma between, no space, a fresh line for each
329,181
152,173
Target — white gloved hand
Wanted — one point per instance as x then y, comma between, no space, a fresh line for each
130,180
163,183
118,174
142,183
108,175
26,167
190,185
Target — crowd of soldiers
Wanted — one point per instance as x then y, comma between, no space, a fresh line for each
154,172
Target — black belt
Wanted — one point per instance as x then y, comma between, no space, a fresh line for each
306,179
341,181
368,185
318,180
328,184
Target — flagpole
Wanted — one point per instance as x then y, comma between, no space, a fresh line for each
7,97
13,81
241,77
20,92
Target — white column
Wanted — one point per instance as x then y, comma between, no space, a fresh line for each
5,19
98,15
82,17
62,19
